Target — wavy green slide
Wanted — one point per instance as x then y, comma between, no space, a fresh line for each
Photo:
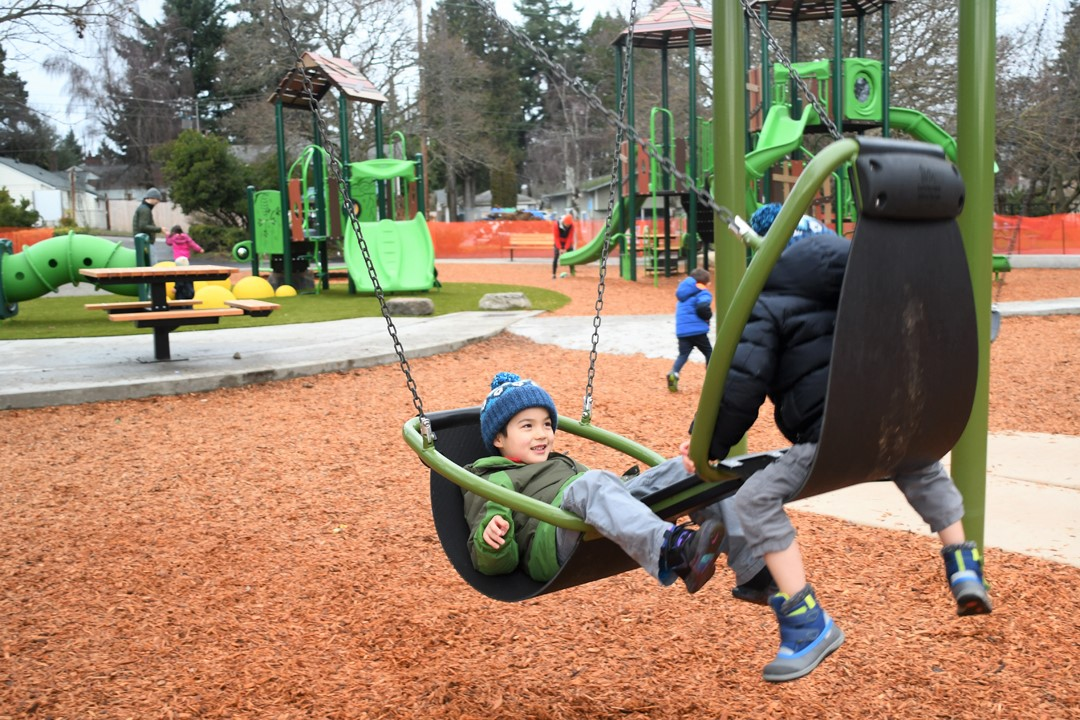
401,252
44,266
594,248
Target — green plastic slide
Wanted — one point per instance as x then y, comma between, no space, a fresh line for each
780,135
594,248
401,252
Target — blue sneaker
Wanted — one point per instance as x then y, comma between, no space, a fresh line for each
963,568
691,554
807,636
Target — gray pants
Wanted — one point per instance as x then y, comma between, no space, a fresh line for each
759,504
614,508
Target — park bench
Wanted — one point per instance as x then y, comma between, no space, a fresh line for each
254,308
133,305
529,241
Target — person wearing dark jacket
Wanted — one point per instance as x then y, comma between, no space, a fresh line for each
692,315
784,354
143,221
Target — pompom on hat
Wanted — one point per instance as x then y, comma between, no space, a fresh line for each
764,217
509,395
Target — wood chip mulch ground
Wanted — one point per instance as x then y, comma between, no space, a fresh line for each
267,552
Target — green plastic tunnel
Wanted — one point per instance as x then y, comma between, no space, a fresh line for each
43,267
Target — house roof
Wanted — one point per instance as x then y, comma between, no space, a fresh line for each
43,176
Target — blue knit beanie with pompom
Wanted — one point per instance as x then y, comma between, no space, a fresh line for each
510,395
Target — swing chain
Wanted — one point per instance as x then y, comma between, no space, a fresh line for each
622,103
774,45
335,170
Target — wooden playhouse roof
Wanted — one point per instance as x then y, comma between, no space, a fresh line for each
324,73
670,25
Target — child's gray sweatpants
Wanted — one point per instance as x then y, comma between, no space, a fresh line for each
759,503
613,507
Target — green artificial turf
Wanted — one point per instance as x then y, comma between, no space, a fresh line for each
60,317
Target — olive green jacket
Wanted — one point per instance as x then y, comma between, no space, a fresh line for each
530,542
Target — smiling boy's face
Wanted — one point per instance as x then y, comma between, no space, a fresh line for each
529,436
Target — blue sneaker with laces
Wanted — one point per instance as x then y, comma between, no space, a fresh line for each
807,636
963,568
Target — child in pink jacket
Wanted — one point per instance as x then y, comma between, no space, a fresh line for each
181,243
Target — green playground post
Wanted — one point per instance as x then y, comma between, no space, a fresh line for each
975,159
729,138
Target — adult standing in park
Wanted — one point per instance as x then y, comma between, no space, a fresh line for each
143,222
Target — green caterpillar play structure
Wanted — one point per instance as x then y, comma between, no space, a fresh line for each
44,266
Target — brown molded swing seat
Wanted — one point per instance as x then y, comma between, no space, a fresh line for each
901,383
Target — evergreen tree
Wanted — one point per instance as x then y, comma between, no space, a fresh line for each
69,152
23,135
195,32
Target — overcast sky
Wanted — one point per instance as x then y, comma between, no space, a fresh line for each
48,97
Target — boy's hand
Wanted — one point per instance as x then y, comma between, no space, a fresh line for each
495,532
684,450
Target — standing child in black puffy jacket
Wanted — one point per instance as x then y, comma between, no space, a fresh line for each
692,316
784,354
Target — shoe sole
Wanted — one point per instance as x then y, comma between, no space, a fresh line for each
971,599
705,558
672,384
972,606
830,643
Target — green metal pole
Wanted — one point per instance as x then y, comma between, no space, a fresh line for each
975,158
692,149
252,231
382,201
631,161
886,60
283,186
729,141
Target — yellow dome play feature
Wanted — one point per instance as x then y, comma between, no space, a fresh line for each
286,291
213,296
253,287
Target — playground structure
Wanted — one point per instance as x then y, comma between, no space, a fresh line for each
383,194
853,95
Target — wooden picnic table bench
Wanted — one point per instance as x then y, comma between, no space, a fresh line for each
136,305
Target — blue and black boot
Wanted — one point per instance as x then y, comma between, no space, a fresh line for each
963,568
691,554
807,636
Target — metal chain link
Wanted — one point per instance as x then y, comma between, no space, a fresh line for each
335,170
622,103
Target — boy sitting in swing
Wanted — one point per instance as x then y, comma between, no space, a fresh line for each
518,423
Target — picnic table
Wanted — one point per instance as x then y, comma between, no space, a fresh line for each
160,313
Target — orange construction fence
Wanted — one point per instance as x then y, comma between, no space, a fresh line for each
1047,235
21,237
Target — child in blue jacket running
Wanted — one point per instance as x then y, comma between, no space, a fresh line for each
692,316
